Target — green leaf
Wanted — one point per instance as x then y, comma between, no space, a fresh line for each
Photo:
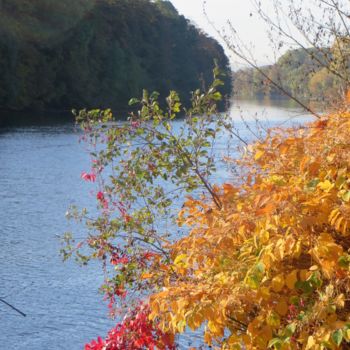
337,337
344,261
133,101
290,329
346,196
154,95
305,286
312,184
176,107
276,343
326,345
316,280
255,276
217,96
341,180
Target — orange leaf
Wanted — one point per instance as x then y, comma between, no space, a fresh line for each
267,209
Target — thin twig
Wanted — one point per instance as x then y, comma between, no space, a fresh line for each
12,307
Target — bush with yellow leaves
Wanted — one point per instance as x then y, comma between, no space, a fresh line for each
271,267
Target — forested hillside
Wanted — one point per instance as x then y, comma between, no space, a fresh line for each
56,55
304,74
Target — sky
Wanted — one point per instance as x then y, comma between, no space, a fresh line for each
246,22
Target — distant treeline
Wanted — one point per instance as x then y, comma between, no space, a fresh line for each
304,74
56,55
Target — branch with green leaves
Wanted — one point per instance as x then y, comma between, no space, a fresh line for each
143,168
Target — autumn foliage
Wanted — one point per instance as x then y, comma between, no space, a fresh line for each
263,262
135,332
271,268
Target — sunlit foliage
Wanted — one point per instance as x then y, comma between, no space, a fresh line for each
299,72
263,262
271,268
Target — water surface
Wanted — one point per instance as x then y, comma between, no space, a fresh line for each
40,167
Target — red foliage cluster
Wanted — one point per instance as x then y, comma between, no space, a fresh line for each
88,177
101,197
135,332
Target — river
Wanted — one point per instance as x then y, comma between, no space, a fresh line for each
40,167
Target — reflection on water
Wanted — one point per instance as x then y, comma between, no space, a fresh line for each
22,119
270,112
263,109
40,167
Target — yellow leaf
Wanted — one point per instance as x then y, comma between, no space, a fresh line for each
340,301
304,275
180,260
215,328
264,293
334,215
259,154
291,279
277,283
181,325
297,250
280,249
325,185
310,343
264,236
331,157
282,307
347,334
338,223
233,339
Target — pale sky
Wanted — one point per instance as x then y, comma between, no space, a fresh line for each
250,28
